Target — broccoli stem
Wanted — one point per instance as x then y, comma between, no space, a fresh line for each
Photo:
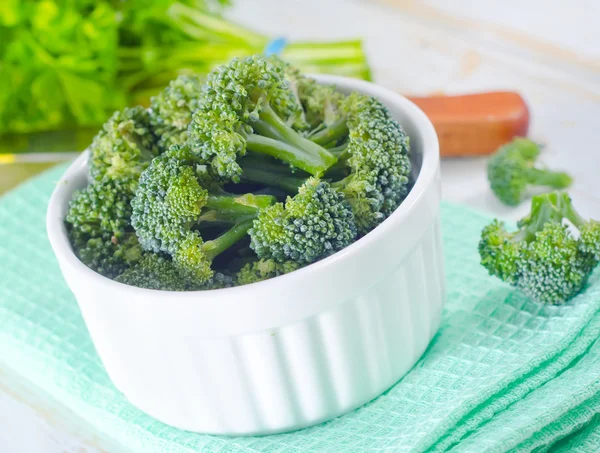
315,154
263,128
271,174
234,208
246,204
298,157
554,179
550,207
218,245
332,133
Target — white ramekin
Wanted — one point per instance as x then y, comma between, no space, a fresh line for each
288,352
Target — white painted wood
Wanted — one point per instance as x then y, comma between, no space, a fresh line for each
549,50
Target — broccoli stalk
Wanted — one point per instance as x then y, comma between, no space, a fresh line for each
171,202
271,173
284,143
247,105
511,171
542,258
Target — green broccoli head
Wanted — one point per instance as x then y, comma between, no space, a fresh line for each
553,268
264,269
156,271
247,105
124,147
322,103
171,110
168,201
168,207
100,209
107,255
511,171
543,258
99,229
378,157
313,224
590,238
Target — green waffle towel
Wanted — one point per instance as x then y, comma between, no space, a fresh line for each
502,374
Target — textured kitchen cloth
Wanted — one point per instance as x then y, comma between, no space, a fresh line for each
502,374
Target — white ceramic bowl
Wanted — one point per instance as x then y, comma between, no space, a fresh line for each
285,353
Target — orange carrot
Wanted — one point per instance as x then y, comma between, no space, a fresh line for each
475,124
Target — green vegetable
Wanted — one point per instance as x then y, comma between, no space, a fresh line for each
171,110
543,258
124,147
377,155
184,195
58,64
312,225
511,171
158,272
69,63
169,203
246,106
98,222
260,270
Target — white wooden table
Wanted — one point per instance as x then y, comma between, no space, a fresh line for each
549,50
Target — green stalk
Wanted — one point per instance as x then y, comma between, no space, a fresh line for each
212,249
332,133
270,174
261,127
293,138
239,205
316,165
554,179
340,151
200,25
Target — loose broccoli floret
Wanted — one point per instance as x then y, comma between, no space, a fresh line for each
171,111
154,271
264,269
313,224
247,105
377,155
542,258
171,199
124,147
511,171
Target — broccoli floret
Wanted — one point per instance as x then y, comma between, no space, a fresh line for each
98,224
377,155
99,209
511,171
109,256
171,110
98,219
124,147
313,224
264,269
171,199
321,103
543,258
247,105
155,271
